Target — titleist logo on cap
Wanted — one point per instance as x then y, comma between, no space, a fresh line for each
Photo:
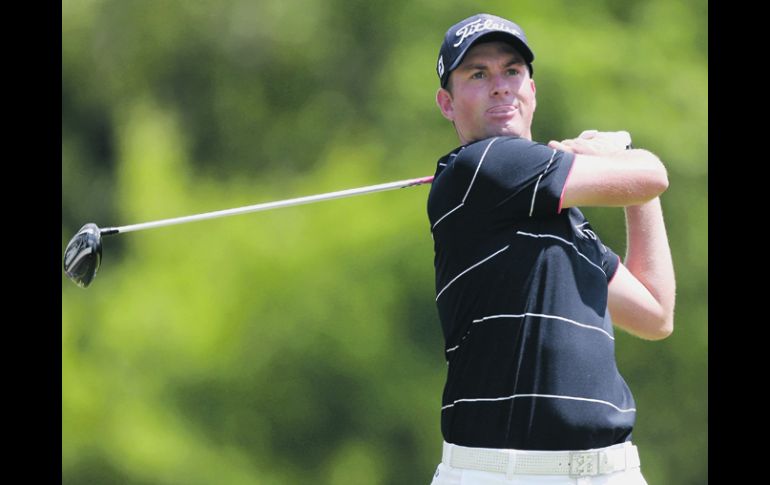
478,25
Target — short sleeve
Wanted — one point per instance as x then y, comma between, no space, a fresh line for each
515,178
610,263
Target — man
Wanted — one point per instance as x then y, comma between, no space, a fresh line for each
526,292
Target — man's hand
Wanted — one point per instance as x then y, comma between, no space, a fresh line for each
593,142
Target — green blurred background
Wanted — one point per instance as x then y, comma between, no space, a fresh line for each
303,345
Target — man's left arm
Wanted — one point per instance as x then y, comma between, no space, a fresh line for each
642,291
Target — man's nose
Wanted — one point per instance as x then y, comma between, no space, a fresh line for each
500,85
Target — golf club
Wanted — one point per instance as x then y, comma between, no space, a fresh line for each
83,254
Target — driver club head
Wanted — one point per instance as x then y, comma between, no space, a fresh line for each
83,255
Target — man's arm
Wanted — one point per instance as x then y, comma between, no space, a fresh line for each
642,292
605,174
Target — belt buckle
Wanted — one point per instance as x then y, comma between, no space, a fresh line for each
583,463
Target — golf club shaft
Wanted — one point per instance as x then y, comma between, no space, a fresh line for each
269,205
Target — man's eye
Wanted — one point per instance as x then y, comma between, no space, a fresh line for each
478,75
513,72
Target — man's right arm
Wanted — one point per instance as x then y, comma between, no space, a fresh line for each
604,174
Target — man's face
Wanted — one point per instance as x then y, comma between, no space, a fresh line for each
491,94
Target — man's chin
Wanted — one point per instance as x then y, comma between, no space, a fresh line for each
506,131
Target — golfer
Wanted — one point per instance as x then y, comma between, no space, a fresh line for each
526,291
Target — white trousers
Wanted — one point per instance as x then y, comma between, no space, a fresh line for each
447,475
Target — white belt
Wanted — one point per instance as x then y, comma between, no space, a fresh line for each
529,462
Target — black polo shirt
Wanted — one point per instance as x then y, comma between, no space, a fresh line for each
521,290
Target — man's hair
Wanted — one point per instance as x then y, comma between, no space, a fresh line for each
448,86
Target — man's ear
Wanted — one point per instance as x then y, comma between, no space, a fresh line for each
444,102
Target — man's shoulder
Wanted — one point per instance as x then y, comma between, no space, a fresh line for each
504,139
494,147
492,151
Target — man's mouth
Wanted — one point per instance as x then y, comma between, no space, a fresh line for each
502,110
